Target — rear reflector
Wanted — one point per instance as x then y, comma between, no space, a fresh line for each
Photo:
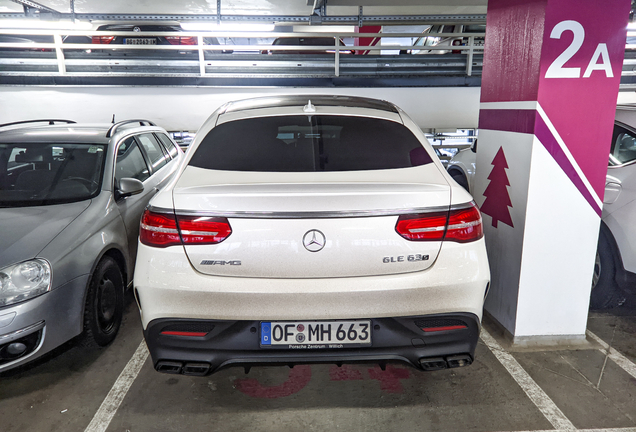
162,230
436,329
429,325
184,333
458,225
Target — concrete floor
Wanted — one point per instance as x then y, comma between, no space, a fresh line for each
65,390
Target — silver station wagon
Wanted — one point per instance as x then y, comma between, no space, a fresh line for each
71,196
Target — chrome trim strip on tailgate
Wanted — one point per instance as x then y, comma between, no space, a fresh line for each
309,214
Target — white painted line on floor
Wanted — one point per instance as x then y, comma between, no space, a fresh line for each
116,395
626,364
536,394
627,429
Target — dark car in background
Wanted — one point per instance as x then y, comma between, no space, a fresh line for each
28,40
309,42
147,36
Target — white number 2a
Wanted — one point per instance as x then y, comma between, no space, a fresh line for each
556,69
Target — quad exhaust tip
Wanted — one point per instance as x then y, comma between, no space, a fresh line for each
196,369
459,360
174,367
170,367
438,363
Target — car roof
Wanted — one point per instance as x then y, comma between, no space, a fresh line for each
316,100
626,114
69,133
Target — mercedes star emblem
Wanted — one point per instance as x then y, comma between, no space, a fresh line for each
314,240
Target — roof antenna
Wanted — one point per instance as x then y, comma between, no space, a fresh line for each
113,120
309,108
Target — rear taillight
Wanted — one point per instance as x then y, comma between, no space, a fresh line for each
102,39
203,229
182,40
464,225
458,225
162,230
158,229
422,227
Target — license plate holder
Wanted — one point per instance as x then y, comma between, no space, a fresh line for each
315,334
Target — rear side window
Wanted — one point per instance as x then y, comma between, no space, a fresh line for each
168,144
623,147
130,162
154,151
308,144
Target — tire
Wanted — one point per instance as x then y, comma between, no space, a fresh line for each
104,306
605,291
460,178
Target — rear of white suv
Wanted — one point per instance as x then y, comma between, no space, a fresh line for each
303,231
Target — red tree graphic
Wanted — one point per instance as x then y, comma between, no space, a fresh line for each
497,198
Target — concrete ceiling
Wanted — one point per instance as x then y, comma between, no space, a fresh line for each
260,7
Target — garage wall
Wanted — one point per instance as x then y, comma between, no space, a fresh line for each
186,108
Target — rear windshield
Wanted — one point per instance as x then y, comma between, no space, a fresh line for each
309,143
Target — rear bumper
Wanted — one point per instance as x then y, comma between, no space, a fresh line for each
237,343
168,287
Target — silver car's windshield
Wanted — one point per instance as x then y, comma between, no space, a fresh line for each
33,174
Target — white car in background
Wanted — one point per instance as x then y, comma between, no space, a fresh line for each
615,266
310,231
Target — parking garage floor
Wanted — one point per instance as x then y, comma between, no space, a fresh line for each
590,387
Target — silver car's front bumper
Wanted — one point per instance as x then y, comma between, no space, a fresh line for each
56,314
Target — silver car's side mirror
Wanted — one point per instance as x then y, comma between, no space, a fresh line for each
473,148
128,187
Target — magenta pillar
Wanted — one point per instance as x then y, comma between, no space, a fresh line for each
550,82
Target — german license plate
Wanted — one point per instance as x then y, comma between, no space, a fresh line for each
140,41
316,334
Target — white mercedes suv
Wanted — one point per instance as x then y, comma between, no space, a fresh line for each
310,229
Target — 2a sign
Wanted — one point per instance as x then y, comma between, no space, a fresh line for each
600,60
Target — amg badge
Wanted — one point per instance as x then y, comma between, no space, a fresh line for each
405,258
215,262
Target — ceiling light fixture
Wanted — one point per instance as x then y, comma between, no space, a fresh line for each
210,26
37,24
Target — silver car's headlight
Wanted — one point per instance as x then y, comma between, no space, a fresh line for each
24,280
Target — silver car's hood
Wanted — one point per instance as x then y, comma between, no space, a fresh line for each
25,231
